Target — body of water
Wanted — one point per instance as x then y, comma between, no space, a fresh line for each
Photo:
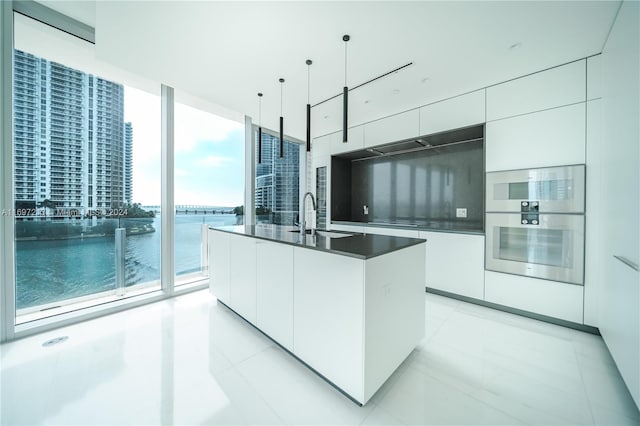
50,271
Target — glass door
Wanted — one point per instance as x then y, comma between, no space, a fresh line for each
552,249
554,189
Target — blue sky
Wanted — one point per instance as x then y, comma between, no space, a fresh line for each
209,154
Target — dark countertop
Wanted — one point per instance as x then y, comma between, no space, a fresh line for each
451,226
361,246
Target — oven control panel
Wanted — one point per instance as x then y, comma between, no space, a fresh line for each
529,212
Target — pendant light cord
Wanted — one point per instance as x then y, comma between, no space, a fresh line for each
308,82
281,98
345,62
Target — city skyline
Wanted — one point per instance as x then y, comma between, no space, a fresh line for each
109,134
72,146
277,180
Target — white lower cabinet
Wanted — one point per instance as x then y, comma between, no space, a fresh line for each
550,298
219,279
455,263
242,265
274,284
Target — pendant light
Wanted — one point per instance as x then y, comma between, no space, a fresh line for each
345,93
308,62
259,128
281,121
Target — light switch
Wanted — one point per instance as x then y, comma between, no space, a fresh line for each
461,212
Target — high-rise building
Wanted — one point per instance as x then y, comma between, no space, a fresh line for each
72,146
277,180
128,163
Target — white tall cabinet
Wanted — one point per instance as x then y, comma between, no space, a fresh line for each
620,247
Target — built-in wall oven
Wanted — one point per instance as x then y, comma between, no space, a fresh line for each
535,223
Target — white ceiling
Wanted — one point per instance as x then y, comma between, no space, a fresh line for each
226,52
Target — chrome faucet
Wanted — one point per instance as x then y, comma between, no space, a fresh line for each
303,222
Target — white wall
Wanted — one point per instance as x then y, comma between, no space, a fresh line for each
620,290
7,308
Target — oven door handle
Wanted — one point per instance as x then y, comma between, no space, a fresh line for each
627,262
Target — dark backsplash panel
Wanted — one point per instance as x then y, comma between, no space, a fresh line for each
415,188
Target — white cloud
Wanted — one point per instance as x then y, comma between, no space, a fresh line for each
213,161
193,126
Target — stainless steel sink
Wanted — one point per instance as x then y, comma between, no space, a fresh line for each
325,234
329,234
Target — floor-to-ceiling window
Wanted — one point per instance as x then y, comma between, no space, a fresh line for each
208,184
277,180
91,177
86,177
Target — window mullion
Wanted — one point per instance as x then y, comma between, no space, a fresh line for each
167,210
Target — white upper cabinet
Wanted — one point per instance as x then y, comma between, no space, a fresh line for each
393,128
355,140
321,146
594,77
555,87
554,137
454,113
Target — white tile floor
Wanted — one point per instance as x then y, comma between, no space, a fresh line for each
191,361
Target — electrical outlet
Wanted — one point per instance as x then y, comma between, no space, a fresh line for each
461,212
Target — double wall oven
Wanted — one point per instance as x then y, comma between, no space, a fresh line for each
535,223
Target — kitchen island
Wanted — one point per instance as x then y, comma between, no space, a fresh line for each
349,306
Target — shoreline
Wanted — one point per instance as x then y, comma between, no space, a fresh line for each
82,236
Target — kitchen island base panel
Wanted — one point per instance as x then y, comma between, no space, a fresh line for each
328,315
394,316
351,309
356,322
359,404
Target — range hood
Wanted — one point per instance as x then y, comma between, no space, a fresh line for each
427,142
